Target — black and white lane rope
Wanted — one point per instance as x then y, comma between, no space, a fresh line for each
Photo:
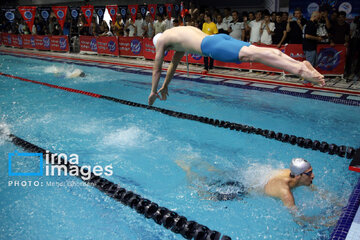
322,146
161,215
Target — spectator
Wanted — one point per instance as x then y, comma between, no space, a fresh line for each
236,28
284,17
279,35
295,28
266,30
311,39
176,23
139,25
118,26
192,8
83,30
228,18
340,31
220,25
21,27
251,16
105,30
324,26
201,20
209,28
254,28
273,17
354,51
67,25
333,17
168,22
130,28
149,26
159,25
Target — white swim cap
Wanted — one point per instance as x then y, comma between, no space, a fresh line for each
155,39
299,166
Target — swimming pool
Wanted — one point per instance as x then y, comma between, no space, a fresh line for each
143,147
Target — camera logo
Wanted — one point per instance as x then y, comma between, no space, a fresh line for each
16,155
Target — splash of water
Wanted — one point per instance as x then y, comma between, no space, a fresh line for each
132,136
4,132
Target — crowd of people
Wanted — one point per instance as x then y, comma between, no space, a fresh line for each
261,27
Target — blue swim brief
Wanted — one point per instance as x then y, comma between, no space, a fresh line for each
222,47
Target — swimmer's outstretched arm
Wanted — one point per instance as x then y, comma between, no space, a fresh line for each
159,58
169,74
157,73
275,58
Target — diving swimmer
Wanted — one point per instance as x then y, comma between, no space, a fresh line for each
221,47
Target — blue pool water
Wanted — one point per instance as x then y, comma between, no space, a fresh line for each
143,147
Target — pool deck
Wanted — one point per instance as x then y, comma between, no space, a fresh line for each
336,90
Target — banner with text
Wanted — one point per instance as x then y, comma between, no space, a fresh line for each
107,45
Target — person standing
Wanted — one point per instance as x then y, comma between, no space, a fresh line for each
266,30
295,28
159,25
236,27
279,35
311,39
254,28
209,28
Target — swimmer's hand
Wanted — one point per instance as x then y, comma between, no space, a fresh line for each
164,93
152,98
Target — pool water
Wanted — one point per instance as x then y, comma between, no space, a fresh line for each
145,149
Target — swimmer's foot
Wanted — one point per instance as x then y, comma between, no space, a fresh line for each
310,74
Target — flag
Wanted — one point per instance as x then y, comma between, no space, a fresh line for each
88,13
112,9
28,14
60,13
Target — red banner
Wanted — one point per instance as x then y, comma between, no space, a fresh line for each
152,10
1,36
107,45
28,41
42,42
130,46
88,43
331,60
263,67
148,49
169,8
16,40
112,10
28,14
295,51
88,13
60,13
6,39
59,43
133,11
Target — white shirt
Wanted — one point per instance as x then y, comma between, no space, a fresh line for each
222,26
236,29
139,23
265,36
255,31
159,27
227,20
131,29
168,23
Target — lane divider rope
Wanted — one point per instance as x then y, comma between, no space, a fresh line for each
322,146
161,215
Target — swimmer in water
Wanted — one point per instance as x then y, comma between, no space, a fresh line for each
279,184
68,74
221,47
